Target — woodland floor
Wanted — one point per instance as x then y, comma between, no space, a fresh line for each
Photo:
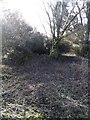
45,88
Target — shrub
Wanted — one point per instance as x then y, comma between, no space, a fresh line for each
19,55
16,33
63,47
77,50
83,50
36,44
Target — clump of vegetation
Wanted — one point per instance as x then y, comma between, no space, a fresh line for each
19,55
63,47
85,50
76,49
59,49
22,53
36,44
82,50
54,54
5,76
20,41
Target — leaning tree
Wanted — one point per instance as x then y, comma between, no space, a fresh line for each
61,19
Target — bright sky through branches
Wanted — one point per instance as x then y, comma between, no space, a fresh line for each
32,11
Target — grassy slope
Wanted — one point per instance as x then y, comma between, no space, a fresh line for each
46,88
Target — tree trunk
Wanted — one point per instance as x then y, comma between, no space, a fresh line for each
88,23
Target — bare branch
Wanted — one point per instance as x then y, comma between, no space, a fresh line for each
72,32
79,13
65,28
43,27
69,16
50,22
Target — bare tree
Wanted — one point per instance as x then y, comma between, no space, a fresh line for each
60,20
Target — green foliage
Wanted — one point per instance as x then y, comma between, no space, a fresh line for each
54,54
62,47
4,76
